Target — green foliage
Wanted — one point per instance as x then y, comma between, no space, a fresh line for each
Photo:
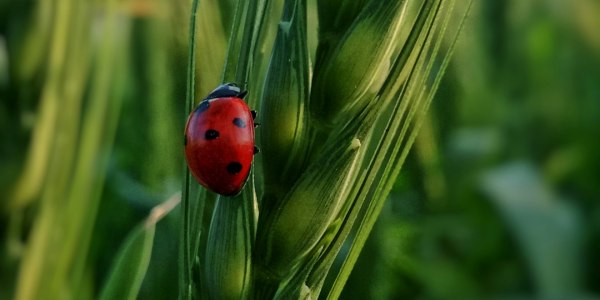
130,266
325,141
131,263
496,199
493,201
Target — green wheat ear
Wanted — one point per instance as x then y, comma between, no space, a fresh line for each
353,72
284,131
332,144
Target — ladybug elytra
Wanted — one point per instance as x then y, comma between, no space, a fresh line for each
219,140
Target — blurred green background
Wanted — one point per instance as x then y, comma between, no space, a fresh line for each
498,199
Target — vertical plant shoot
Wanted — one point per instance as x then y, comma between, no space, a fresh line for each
331,144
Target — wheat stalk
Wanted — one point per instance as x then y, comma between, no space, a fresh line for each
337,122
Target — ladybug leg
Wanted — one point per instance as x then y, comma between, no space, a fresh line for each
256,150
253,112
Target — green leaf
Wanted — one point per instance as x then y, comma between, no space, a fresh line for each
132,261
130,267
90,108
546,227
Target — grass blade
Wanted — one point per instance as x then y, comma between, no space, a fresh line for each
131,263
60,237
186,261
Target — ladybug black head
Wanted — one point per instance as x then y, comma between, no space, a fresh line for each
226,90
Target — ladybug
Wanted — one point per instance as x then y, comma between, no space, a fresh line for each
219,140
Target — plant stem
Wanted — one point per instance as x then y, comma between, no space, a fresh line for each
185,291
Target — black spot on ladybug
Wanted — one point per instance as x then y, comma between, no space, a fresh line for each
211,134
234,167
256,150
239,123
204,105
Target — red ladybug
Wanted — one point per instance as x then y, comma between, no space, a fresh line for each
219,140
